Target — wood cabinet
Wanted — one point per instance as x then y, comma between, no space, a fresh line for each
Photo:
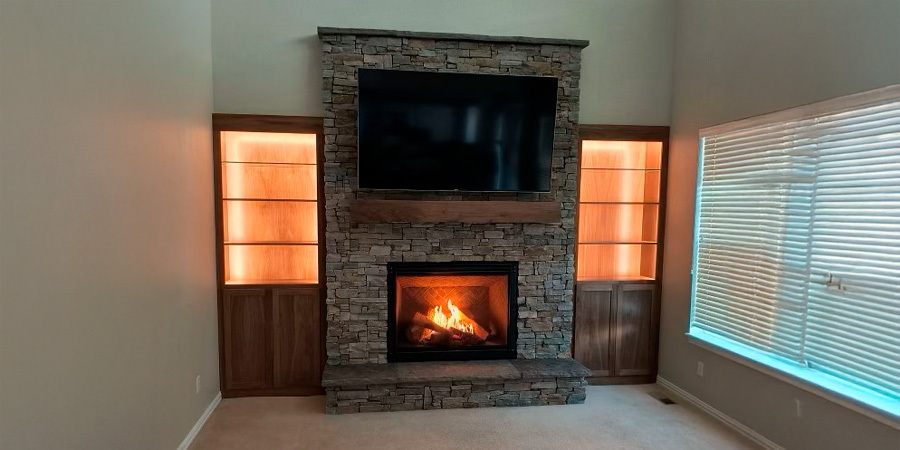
635,349
296,337
268,185
594,309
616,330
272,341
246,324
621,206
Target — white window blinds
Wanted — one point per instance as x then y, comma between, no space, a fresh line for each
798,238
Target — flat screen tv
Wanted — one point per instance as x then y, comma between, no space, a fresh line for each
455,132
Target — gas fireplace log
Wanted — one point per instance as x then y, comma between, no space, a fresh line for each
477,330
441,333
423,321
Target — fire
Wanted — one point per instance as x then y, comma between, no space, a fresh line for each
455,320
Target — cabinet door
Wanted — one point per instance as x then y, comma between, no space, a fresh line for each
245,333
593,311
297,337
635,342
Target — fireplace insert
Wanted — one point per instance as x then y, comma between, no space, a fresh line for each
452,311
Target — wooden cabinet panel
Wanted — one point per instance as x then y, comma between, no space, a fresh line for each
297,335
635,343
246,327
593,311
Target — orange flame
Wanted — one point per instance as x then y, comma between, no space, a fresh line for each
453,321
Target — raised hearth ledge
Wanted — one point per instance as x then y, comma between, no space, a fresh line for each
464,211
453,384
325,31
418,372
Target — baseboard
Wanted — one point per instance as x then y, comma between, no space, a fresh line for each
200,422
718,415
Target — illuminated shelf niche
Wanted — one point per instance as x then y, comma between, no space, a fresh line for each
269,208
618,210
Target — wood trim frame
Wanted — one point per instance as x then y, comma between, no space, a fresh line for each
274,124
631,133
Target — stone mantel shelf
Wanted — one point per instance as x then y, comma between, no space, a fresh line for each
463,211
580,43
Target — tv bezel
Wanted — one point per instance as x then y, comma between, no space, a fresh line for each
552,143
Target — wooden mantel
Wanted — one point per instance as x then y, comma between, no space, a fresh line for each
434,211
579,43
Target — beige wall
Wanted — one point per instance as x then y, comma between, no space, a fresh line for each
737,58
267,57
107,291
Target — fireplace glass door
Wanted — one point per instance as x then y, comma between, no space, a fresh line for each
443,311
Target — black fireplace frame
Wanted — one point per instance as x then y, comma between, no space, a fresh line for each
508,351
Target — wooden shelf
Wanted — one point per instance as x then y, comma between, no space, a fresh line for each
416,211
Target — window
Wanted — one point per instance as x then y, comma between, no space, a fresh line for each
797,245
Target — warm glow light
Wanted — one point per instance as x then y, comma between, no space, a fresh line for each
267,240
454,321
249,146
618,211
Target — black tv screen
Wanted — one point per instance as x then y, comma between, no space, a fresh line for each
452,131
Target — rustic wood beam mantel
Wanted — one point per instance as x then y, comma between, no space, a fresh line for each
471,211
325,31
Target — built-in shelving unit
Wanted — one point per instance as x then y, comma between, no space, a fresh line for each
620,237
618,210
269,207
268,190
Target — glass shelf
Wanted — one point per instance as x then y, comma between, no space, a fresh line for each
621,154
270,208
270,221
271,263
263,163
616,261
269,181
618,210
628,222
613,185
251,146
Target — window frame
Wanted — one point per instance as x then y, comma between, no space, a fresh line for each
835,389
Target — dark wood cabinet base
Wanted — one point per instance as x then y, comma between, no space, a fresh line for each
272,341
616,327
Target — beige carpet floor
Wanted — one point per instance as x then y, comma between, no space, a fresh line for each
613,417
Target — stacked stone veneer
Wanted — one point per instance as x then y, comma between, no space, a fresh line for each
455,394
357,253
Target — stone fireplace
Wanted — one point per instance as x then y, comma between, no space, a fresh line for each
376,314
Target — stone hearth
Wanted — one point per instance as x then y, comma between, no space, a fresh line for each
443,385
